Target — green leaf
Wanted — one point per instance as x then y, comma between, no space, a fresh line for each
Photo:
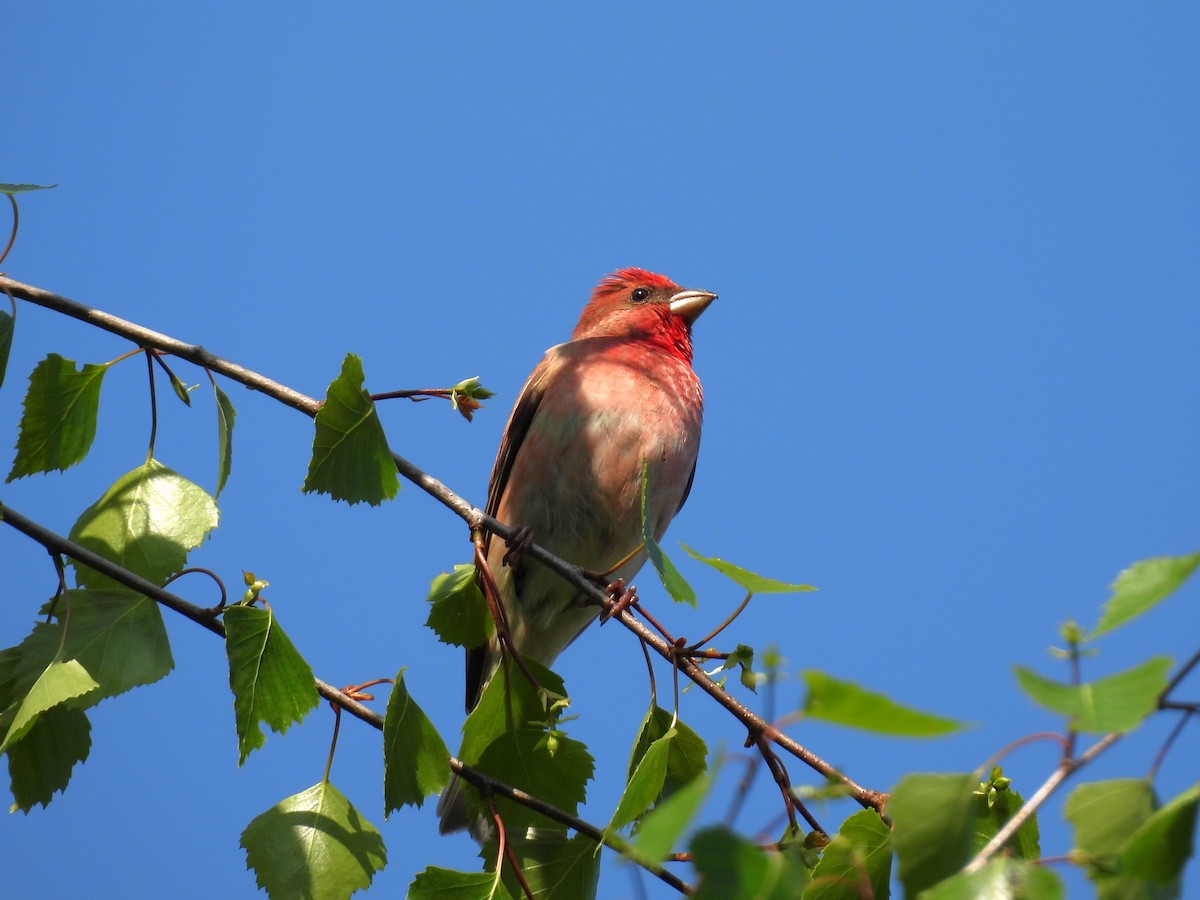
435,883
24,188
182,391
508,702
645,784
661,828
743,658
146,522
458,612
117,635
551,766
934,818
993,809
351,460
271,682
314,845
1001,879
733,868
1105,813
414,755
556,867
686,753
8,326
859,855
755,584
1162,845
61,681
676,585
845,703
1116,703
1141,587
40,763
59,421
465,397
225,417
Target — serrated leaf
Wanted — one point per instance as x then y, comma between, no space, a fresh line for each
58,424
350,459
645,784
1143,586
24,188
414,754
271,682
225,418
8,326
676,584
458,611
117,635
733,868
1116,703
1001,879
934,818
556,867
845,703
41,762
687,754
147,522
61,681
859,855
436,883
755,584
314,845
663,825
553,768
508,701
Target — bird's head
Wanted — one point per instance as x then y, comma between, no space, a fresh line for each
645,306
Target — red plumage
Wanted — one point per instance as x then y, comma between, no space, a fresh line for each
621,391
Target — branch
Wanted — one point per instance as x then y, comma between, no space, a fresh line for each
474,517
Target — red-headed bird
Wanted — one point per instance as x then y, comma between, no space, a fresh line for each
620,392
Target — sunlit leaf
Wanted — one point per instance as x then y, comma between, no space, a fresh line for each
225,418
271,682
1116,703
458,612
663,826
755,584
61,681
1142,586
845,703
146,522
58,424
414,754
551,767
1001,879
645,784
676,584
1162,845
314,845
687,754
350,459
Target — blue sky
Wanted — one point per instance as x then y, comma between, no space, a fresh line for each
950,379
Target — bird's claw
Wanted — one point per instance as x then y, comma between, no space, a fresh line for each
521,540
622,599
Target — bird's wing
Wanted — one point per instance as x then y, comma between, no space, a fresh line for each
515,430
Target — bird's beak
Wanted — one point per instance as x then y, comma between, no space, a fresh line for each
688,304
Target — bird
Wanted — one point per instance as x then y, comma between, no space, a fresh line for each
618,399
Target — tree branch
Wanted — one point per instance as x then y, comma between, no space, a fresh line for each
473,516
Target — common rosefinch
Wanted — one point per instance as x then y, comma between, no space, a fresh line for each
620,392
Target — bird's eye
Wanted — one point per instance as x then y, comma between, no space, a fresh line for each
641,295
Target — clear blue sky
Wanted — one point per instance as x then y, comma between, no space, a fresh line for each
951,378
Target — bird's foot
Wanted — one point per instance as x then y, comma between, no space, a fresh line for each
521,540
622,599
